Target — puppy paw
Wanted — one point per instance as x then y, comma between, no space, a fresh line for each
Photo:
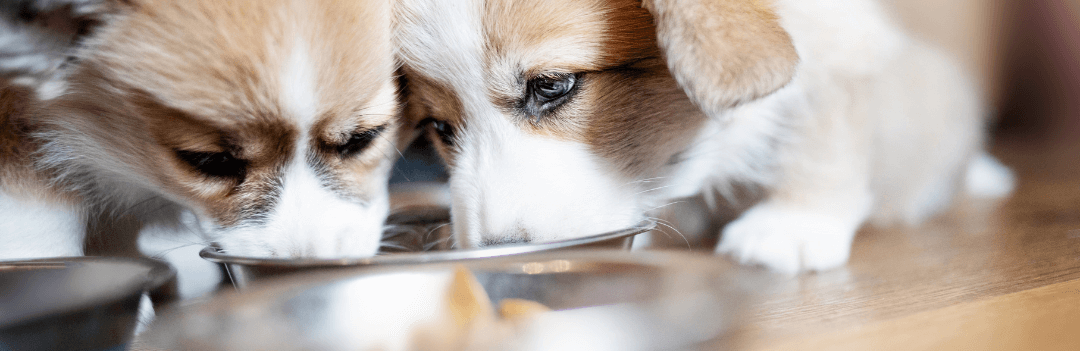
989,179
789,241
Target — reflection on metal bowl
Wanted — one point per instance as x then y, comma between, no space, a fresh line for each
418,232
77,303
602,300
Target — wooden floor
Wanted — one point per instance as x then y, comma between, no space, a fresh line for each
985,276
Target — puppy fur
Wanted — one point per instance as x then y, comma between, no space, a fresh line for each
825,105
273,122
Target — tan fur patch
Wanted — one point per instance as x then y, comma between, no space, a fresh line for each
639,117
15,147
724,52
18,176
539,36
530,39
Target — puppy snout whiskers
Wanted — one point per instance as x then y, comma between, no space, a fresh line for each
515,236
270,251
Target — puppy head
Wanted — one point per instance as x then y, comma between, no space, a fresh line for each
273,120
562,118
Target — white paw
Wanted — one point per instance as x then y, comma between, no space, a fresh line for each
789,241
989,179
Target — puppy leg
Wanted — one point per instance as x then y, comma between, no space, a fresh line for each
987,178
929,128
809,219
790,238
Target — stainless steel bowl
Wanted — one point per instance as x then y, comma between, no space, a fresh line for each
77,303
244,270
602,300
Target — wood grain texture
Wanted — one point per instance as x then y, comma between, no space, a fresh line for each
958,278
1046,318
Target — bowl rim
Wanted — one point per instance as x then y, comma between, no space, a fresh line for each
211,254
159,276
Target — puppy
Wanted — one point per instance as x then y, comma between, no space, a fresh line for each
268,124
566,118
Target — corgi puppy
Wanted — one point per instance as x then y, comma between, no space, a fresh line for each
563,118
269,124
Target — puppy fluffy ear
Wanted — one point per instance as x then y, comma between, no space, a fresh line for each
723,52
38,37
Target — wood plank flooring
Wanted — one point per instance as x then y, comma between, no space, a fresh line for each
985,275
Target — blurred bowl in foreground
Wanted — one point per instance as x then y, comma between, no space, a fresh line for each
77,303
600,300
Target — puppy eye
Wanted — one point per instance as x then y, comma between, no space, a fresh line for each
546,93
443,130
359,141
551,88
214,164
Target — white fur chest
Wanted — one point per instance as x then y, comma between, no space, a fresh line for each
33,229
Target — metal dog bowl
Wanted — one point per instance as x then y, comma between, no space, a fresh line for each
601,300
432,228
77,303
419,233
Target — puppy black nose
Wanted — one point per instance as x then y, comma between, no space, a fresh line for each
505,240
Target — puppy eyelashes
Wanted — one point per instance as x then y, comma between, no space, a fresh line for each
359,141
550,88
545,93
444,131
215,164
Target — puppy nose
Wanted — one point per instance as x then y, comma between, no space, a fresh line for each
516,238
506,235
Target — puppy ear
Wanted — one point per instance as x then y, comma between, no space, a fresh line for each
723,52
39,37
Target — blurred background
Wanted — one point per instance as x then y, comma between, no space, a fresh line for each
1025,53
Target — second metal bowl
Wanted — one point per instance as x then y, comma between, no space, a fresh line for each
78,303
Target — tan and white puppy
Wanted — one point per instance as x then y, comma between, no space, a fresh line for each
273,122
565,118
